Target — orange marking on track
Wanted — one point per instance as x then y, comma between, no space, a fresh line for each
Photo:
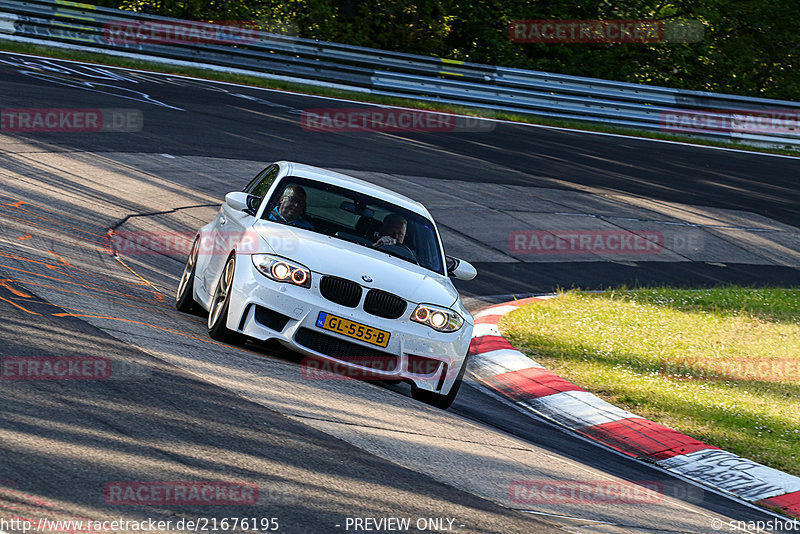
164,310
56,268
53,230
23,238
7,284
68,264
84,260
44,208
60,214
35,500
29,223
17,204
156,293
8,506
13,256
20,307
76,284
108,237
169,330
59,258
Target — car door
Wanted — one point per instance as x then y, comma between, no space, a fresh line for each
230,225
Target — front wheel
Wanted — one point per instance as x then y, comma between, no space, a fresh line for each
184,297
437,399
220,302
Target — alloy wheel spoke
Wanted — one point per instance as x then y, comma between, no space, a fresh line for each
221,294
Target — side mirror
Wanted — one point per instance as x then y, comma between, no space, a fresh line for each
241,201
460,269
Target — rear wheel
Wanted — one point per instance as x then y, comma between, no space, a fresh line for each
437,399
184,297
220,303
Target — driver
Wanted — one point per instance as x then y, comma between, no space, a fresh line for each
291,207
393,231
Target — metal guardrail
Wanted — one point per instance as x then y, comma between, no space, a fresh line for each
423,78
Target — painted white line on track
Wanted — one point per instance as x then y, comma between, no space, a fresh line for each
327,85
717,465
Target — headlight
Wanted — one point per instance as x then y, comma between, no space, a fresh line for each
440,319
282,270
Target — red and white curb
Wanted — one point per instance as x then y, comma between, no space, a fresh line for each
494,363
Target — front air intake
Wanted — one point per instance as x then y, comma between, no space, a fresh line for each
346,351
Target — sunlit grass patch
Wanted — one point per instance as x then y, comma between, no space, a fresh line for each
722,365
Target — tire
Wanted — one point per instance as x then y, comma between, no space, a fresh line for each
438,400
220,302
184,296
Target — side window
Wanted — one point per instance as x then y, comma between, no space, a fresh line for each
259,186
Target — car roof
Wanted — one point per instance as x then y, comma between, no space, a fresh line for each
355,184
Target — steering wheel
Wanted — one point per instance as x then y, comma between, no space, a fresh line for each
399,249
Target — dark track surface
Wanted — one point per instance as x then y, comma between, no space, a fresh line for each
67,440
238,122
524,278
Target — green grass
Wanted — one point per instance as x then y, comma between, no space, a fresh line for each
255,81
721,365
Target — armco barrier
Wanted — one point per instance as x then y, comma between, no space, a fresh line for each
420,77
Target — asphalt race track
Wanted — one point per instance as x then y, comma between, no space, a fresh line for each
318,455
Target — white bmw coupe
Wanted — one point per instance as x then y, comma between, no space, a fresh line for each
338,269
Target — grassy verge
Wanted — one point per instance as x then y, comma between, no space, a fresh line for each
104,59
721,365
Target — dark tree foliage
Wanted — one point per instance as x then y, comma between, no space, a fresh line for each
749,46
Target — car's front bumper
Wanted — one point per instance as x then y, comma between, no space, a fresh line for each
263,309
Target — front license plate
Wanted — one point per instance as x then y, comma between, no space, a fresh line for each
352,329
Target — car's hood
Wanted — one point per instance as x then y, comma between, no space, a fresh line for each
331,256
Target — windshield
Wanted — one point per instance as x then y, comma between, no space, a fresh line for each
357,218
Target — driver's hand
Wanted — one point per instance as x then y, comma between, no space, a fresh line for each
384,241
